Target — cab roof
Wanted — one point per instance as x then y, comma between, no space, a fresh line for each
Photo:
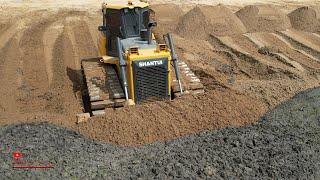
122,4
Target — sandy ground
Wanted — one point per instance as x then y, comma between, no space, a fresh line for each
250,59
284,145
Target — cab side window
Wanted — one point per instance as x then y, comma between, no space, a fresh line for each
113,18
113,21
145,19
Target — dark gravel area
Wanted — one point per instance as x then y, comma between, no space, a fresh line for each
284,145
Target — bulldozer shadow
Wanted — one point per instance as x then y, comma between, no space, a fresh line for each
79,88
75,76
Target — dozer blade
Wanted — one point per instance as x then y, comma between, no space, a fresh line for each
190,82
103,86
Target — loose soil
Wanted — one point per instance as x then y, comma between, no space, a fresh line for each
285,144
40,53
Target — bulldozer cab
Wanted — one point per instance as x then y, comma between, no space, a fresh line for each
124,22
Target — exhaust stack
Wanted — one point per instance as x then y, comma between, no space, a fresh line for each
151,25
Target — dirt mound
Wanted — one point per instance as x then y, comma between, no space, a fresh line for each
167,17
204,20
167,12
266,18
167,120
305,18
194,21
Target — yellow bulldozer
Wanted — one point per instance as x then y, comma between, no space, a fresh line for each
133,67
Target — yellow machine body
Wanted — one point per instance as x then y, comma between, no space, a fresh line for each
143,54
121,4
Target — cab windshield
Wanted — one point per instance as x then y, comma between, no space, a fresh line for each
132,19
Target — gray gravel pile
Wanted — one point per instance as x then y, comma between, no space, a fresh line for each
285,145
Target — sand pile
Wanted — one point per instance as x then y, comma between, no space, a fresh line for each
160,121
167,12
266,18
204,20
167,17
305,18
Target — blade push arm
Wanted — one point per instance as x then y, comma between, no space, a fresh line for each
123,69
174,57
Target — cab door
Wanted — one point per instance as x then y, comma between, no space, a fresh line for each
113,24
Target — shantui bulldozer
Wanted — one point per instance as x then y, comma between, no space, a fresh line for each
133,67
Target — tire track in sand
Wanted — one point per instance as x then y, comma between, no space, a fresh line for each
9,58
11,68
278,45
17,25
70,22
33,55
12,33
49,38
298,41
34,94
12,64
295,47
62,103
81,39
7,34
66,69
259,41
254,65
83,45
79,51
93,23
84,41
